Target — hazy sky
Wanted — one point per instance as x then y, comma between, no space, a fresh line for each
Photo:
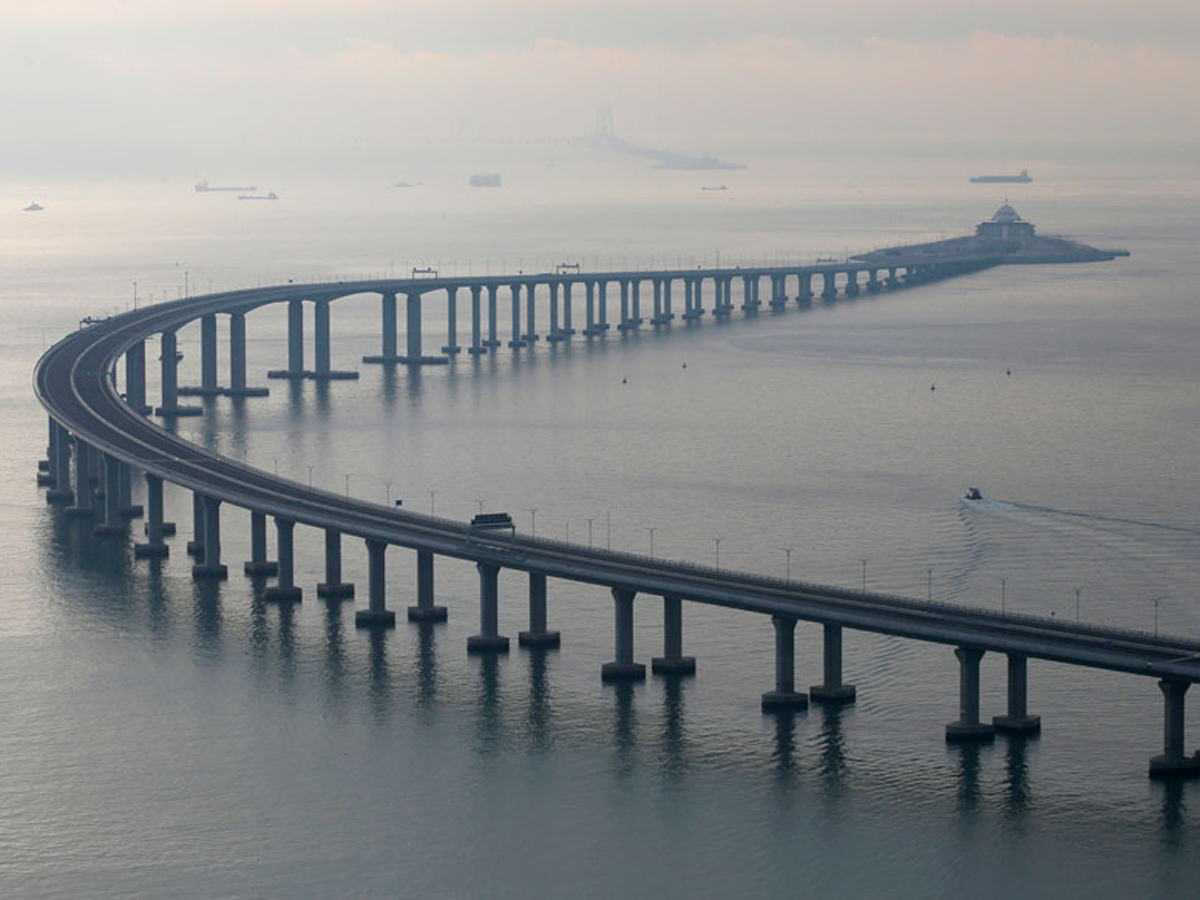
91,82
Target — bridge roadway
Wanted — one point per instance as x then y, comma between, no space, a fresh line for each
74,381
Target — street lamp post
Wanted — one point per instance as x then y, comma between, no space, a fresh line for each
929,572
788,552
389,493
589,521
717,544
1077,605
310,471
651,530
432,494
1002,583
863,560
532,521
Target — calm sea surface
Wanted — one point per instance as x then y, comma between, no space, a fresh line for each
163,738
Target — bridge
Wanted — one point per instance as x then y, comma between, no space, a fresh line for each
99,435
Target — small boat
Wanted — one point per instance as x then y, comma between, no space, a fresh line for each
268,196
34,207
973,494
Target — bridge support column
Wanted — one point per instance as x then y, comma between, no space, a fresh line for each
135,377
388,329
489,638
212,566
852,289
237,359
155,546
602,306
476,348
830,291
873,285
531,336
126,507
553,334
258,564
208,355
376,615
673,662
657,286
625,324
750,301
785,695
452,347
323,346
691,299
84,494
295,321
284,590
112,523
195,547
832,691
635,303
538,635
333,588
778,292
493,341
968,727
1172,763
804,289
623,668
567,329
667,314
515,342
590,308
425,610
169,362
1018,720
60,463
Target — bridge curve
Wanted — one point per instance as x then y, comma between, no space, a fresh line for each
75,382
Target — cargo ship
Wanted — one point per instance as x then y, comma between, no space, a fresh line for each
485,179
1023,178
203,187
269,196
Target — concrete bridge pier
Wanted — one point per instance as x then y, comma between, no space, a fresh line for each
830,291
656,286
169,362
425,610
333,588
237,360
873,285
538,635
195,547
554,335
530,336
155,546
388,353
832,691
493,341
135,377
212,566
84,492
415,356
284,590
602,305
476,348
852,288
968,727
452,347
112,523
376,615
323,347
750,301
673,662
1172,763
125,505
778,292
208,386
489,639
60,465
590,309
623,668
691,299
258,565
667,313
804,293
1018,720
295,321
635,303
567,328
625,324
785,696
515,342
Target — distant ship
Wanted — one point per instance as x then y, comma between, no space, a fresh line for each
269,196
713,187
1023,178
203,187
696,163
486,179
34,207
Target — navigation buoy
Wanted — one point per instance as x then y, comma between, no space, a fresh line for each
933,387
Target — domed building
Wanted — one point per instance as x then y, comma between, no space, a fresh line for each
1005,227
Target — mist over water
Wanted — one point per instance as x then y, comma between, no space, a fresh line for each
171,738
